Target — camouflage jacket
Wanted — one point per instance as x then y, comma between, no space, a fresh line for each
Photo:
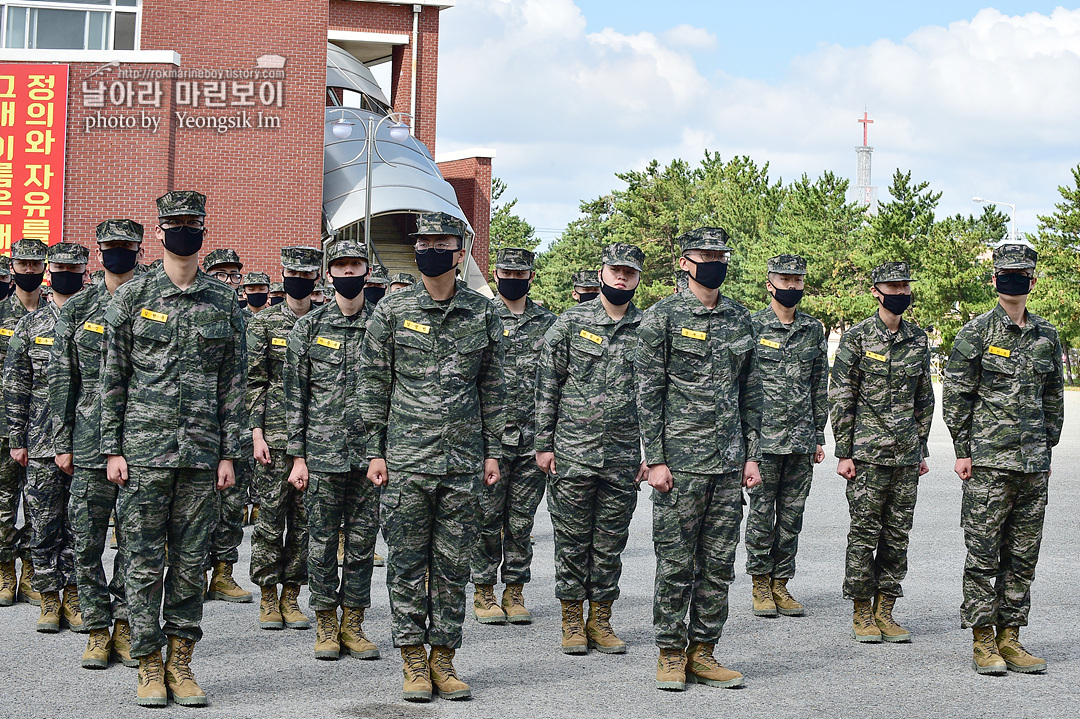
75,376
173,379
322,402
585,387
523,336
793,362
432,382
11,311
881,398
267,338
26,382
1003,392
699,391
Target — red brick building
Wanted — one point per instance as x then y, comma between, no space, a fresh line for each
206,95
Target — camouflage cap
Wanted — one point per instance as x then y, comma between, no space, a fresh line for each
1015,256
379,276
439,223
277,287
586,278
181,202
124,230
256,278
621,254
514,258
301,259
704,238
29,248
787,265
682,280
69,253
221,256
5,265
403,278
891,272
344,248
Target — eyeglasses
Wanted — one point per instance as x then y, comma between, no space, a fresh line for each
439,246
187,224
227,276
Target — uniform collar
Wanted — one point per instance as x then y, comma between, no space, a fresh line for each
903,332
426,301
1007,322
531,310
774,321
168,289
601,317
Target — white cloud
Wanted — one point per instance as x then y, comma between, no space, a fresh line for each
983,106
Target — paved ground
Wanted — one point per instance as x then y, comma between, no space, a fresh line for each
795,667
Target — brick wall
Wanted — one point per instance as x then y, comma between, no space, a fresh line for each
471,180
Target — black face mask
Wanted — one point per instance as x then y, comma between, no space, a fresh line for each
432,263
586,296
896,303
28,282
119,260
1013,283
296,287
513,289
374,294
243,303
257,299
318,303
349,287
66,283
6,288
183,241
616,296
277,300
788,298
710,274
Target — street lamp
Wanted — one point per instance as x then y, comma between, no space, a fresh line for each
982,201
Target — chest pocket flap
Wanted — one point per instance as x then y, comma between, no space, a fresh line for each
998,364
580,343
322,353
470,339
92,341
871,365
215,330
414,340
149,329
690,345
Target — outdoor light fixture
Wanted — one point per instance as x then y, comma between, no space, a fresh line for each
984,201
399,131
342,128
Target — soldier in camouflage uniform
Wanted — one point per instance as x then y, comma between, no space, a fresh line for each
431,396
318,295
699,398
882,404
401,281
277,293
26,394
1003,403
257,290
587,443
507,509
586,285
377,284
75,406
172,414
793,361
28,265
7,287
279,543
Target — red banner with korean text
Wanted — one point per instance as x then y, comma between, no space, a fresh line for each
33,130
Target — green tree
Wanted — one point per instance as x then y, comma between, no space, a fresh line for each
578,248
1056,296
507,228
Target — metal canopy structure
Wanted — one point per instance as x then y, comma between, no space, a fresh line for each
345,71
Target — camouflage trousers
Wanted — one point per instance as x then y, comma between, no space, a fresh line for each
775,515
336,499
229,531
159,505
695,532
1002,516
279,542
51,540
590,512
12,479
430,525
507,511
93,498
881,502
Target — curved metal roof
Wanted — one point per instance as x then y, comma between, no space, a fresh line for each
344,70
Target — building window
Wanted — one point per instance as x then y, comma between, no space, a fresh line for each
71,24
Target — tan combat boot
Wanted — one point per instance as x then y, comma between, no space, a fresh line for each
1016,657
224,587
986,659
26,591
9,583
671,670
414,665
290,608
178,677
121,643
485,607
573,629
513,604
598,630
150,690
443,675
785,603
764,604
98,648
379,560
863,627
254,516
702,668
327,633
269,609
49,620
71,611
352,635
883,618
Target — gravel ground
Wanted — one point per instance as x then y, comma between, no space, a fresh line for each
794,667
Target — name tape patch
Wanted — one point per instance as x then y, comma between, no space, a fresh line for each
43,340
999,351
278,342
876,356
7,333
506,333
155,316
770,343
332,344
91,327
693,334
591,337
410,325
